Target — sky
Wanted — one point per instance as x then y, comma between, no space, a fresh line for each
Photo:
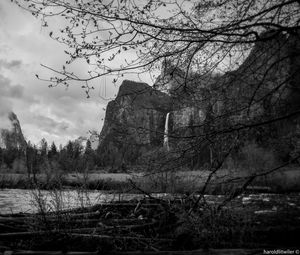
56,114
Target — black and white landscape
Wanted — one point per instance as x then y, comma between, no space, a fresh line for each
149,127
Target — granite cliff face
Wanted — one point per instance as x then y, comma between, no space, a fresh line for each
134,122
265,87
12,137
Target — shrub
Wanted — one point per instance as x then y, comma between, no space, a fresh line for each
257,159
216,227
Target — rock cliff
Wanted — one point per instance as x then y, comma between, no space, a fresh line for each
134,122
264,87
12,137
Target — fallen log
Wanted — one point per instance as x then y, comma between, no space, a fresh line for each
114,222
194,252
129,204
105,227
20,235
7,227
13,219
50,253
93,236
94,208
25,235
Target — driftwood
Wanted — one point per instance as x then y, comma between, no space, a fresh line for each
107,227
22,235
6,227
195,252
49,253
112,221
25,235
145,226
13,219
94,222
95,236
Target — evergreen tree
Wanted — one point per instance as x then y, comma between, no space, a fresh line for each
70,149
88,147
53,151
32,159
89,156
43,147
0,156
9,156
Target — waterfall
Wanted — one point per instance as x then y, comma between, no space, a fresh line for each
166,133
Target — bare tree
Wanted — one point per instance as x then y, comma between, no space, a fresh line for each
142,34
236,59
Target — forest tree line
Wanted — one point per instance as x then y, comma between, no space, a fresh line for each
73,157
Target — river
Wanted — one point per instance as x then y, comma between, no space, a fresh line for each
30,201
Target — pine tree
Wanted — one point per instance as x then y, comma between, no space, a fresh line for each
89,155
53,151
88,147
43,147
1,157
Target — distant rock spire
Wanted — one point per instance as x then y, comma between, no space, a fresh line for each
12,137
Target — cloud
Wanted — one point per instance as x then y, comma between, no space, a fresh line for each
5,107
10,64
7,90
50,125
57,114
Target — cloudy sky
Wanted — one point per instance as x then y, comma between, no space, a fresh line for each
57,114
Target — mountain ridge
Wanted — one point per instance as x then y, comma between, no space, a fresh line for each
203,105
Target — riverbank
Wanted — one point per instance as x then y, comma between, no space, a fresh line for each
92,181
151,224
283,180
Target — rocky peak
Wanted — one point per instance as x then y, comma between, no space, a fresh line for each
12,136
133,122
129,88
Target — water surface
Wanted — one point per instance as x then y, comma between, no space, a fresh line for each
30,201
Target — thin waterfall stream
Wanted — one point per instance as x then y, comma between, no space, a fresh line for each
166,133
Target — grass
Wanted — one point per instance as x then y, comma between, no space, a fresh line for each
284,180
22,181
